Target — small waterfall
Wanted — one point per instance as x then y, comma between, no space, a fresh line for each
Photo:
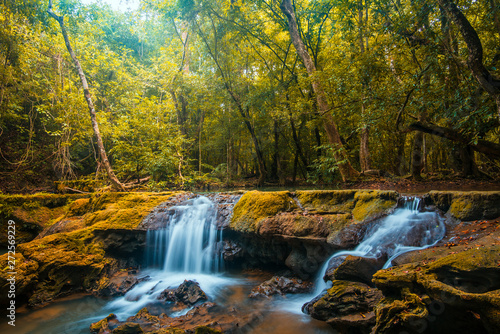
186,248
406,229
189,243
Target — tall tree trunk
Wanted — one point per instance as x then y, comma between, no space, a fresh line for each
417,156
346,170
364,151
86,92
475,60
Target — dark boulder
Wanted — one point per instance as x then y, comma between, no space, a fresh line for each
188,293
356,269
347,306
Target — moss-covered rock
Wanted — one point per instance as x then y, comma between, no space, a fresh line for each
461,290
371,204
206,330
128,328
467,206
254,206
347,306
32,213
75,259
307,225
102,326
327,201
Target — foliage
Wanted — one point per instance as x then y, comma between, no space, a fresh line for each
194,92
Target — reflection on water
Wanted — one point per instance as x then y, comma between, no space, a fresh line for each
75,314
66,316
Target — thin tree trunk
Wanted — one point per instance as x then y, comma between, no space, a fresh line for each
274,167
364,151
86,92
346,170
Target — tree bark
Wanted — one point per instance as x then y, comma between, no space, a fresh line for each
86,92
475,60
491,149
347,172
364,148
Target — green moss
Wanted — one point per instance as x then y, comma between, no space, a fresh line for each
254,206
128,328
79,207
467,206
336,223
470,260
372,203
206,330
327,201
102,324
396,315
32,213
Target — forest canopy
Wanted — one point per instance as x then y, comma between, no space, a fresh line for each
189,92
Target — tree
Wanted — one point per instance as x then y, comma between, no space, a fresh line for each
475,60
86,93
346,170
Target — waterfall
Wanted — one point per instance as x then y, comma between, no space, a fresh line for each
185,248
408,228
188,244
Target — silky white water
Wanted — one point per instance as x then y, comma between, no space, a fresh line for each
188,244
406,229
187,248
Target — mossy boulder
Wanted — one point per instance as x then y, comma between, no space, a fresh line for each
460,291
254,206
67,261
347,306
32,213
338,208
327,201
128,328
467,206
372,204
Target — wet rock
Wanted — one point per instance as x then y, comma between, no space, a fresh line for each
333,264
204,318
224,203
355,268
162,214
121,283
105,325
188,293
279,285
231,251
128,328
347,306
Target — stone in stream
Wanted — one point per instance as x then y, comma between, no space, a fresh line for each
188,293
121,283
204,318
347,306
280,286
355,268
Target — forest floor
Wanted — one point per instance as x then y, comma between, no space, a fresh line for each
405,186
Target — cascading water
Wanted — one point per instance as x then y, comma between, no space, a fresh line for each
188,244
408,228
186,248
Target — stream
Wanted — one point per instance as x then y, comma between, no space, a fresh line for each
189,248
